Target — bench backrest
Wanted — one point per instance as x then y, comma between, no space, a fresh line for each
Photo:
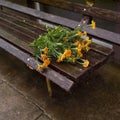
98,33
83,9
94,12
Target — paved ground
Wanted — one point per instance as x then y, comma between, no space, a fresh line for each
14,102
23,94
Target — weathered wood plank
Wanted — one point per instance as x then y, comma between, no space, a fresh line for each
15,40
16,33
22,22
103,50
95,58
23,30
104,35
54,76
72,71
83,9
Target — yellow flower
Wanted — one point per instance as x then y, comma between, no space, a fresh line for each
82,44
79,47
88,40
87,47
93,24
79,50
45,50
73,60
65,39
90,3
61,57
77,42
86,63
40,67
67,53
58,60
85,33
80,54
80,33
43,56
46,62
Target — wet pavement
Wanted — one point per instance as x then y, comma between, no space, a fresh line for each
24,96
14,106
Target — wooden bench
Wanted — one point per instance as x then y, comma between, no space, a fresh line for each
89,13
17,30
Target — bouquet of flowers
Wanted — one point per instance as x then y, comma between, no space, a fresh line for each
63,45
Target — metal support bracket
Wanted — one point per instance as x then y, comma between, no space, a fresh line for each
49,87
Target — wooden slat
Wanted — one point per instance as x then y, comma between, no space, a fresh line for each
23,30
83,9
103,50
21,23
104,35
54,76
72,71
23,20
15,40
16,33
95,58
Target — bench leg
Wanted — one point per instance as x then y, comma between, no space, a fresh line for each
49,87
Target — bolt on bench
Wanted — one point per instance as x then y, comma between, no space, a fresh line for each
17,30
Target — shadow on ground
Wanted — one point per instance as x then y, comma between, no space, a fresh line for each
95,98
